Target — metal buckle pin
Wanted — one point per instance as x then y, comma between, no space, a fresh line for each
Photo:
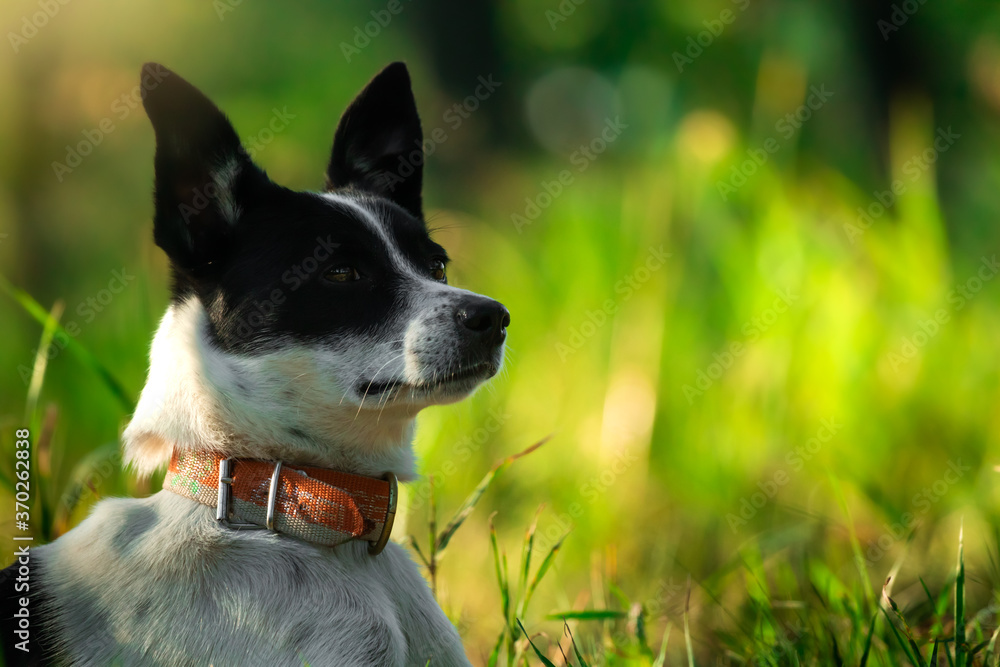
272,495
222,508
375,547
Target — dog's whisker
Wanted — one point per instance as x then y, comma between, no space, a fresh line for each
370,382
365,368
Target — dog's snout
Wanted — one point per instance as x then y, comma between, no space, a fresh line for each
486,318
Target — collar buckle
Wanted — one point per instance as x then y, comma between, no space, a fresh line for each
223,507
375,547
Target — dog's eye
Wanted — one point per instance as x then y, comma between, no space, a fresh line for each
343,274
437,271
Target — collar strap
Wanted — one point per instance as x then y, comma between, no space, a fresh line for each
313,504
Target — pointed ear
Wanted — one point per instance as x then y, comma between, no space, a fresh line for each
379,145
202,170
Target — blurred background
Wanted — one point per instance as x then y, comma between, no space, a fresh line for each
749,249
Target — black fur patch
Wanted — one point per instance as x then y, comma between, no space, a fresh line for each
138,521
256,254
272,283
40,640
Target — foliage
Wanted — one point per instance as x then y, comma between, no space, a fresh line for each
769,373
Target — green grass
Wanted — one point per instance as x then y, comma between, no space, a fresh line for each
695,509
792,586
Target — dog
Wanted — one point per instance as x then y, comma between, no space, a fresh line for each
305,331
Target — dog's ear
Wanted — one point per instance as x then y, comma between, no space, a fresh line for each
378,144
202,171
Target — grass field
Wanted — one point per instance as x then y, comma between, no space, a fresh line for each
763,346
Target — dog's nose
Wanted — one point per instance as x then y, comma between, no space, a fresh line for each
486,318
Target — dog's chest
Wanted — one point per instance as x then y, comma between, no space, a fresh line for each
153,582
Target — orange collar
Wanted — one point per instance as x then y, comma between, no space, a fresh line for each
313,504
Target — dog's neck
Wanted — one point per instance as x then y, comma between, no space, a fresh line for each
276,405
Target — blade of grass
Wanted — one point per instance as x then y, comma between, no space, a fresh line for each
82,354
432,542
913,650
859,559
43,456
991,656
35,382
662,657
576,650
41,363
500,565
687,626
470,502
619,594
899,639
589,615
543,568
974,651
868,641
31,413
545,661
526,548
561,652
420,554
960,601
495,653
936,623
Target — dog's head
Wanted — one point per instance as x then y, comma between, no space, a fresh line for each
340,294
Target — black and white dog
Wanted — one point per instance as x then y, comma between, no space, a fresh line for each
304,328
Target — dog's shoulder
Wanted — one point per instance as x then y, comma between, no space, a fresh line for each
430,635
139,580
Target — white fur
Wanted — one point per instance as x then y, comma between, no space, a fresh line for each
375,223
157,582
225,179
198,397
